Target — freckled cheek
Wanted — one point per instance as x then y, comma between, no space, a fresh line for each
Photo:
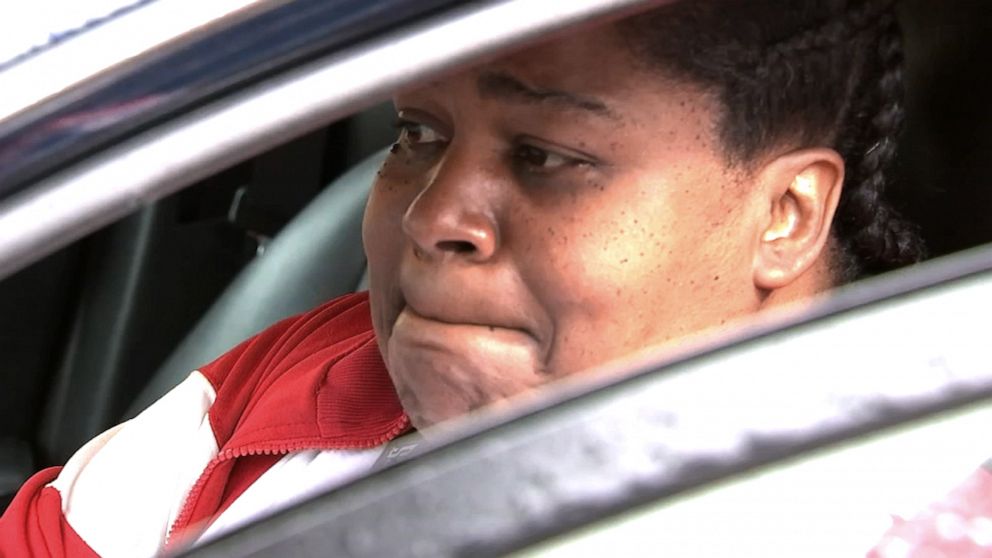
389,200
380,221
384,242
593,269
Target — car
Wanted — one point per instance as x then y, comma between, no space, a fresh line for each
157,198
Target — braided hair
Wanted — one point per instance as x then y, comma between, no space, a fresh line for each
801,73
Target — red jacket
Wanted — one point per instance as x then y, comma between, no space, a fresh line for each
315,381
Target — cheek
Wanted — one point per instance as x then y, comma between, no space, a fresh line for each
593,257
383,240
382,226
383,218
655,265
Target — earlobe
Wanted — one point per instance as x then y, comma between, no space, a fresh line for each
803,191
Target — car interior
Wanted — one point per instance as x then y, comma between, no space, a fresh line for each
97,331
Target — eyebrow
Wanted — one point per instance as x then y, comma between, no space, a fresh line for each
500,85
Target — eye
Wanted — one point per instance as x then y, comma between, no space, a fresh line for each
414,134
540,160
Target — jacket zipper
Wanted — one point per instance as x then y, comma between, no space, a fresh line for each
264,449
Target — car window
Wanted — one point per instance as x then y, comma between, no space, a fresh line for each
132,218
186,249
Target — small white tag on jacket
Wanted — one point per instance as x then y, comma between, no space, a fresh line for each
400,450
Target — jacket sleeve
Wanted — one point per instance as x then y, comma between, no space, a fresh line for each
118,495
34,524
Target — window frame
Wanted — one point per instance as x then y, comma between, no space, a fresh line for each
213,129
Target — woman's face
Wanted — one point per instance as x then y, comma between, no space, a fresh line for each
546,213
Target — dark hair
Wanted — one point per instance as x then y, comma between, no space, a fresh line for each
814,72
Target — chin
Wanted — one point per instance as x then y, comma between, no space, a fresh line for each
427,404
423,418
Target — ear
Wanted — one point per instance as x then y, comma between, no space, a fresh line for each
803,189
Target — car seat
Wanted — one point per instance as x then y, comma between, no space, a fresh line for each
317,256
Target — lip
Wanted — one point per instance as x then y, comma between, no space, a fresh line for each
460,355
460,321
439,327
437,308
460,333
442,370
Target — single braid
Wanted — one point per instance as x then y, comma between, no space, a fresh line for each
868,226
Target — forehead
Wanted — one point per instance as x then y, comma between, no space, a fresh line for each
590,64
588,59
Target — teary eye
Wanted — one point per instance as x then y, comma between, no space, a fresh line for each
417,133
539,160
537,157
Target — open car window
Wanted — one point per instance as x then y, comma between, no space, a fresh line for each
237,123
903,366
149,109
886,421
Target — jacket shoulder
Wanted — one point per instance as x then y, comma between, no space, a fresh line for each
330,323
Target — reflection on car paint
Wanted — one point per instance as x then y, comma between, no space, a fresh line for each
192,75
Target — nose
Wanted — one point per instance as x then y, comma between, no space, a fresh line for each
453,216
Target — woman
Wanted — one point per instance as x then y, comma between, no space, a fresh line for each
540,215
687,163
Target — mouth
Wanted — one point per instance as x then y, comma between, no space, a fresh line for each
463,322
433,329
444,369
446,314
